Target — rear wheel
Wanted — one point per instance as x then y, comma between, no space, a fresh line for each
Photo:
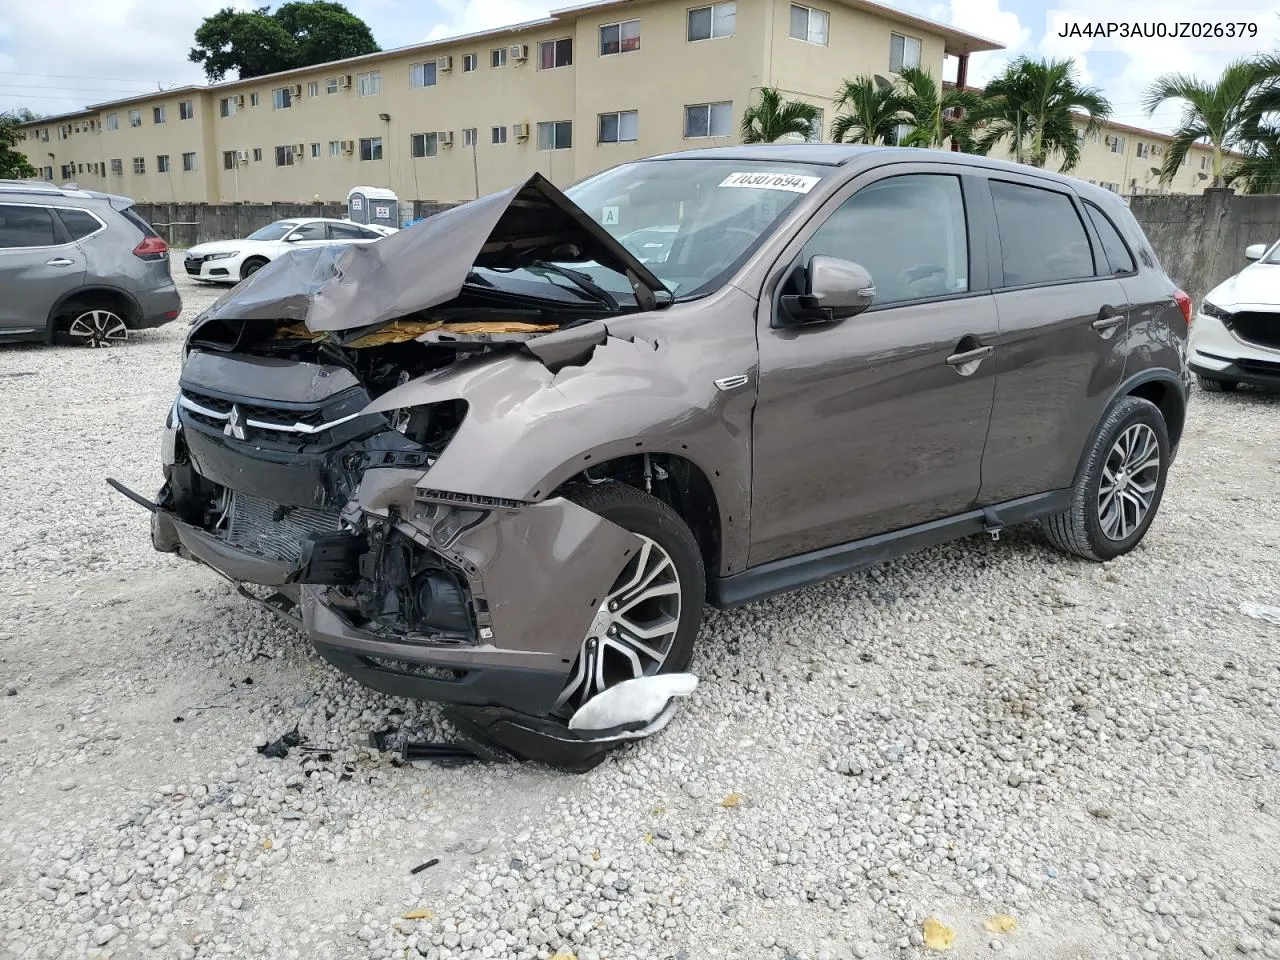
648,621
251,266
1119,491
1210,385
97,327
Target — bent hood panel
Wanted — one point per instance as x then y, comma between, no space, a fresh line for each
357,285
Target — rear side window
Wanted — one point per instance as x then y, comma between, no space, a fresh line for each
346,231
132,216
26,227
1041,237
1117,252
79,223
908,231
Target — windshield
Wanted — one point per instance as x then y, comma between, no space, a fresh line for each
1273,255
273,231
691,222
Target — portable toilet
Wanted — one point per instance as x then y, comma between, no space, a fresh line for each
376,205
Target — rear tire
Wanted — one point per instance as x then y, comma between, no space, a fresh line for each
251,266
1118,492
93,324
1210,385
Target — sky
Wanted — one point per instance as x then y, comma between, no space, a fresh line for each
55,60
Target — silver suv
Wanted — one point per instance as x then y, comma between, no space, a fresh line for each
79,265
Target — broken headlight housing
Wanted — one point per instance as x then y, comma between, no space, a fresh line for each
431,425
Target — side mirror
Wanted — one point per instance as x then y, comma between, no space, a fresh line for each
835,290
1255,251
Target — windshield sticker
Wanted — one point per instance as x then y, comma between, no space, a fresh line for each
609,217
792,182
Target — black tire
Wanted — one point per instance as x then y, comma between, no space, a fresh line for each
645,514
1079,530
1210,385
251,266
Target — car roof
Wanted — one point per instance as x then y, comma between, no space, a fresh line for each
42,188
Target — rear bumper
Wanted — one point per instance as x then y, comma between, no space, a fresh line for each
158,308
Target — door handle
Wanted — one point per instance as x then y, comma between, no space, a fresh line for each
59,262
1108,319
970,356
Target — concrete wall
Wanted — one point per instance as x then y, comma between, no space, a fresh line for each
186,224
1200,240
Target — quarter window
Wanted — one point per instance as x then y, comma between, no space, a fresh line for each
621,37
26,227
1119,259
909,233
1041,237
708,120
371,148
423,145
369,84
555,135
79,223
619,127
712,22
808,24
903,52
422,75
555,53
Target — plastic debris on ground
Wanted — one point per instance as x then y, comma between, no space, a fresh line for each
1261,611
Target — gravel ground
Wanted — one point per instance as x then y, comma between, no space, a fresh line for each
981,731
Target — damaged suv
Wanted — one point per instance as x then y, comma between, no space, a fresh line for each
500,460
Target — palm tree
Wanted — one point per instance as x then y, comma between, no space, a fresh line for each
1034,104
874,110
936,116
1259,171
1224,113
773,118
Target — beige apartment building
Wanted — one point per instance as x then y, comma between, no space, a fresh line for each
587,87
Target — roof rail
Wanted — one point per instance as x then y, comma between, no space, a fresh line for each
29,186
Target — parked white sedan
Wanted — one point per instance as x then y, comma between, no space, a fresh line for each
230,261
1236,335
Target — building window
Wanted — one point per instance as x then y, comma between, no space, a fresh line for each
254,100
469,137
1143,149
186,109
313,88
135,118
315,151
808,24
257,154
619,37
469,63
281,98
228,159
422,74
158,114
423,145
162,163
1204,163
117,168
1079,137
708,120
331,85
555,53
713,22
1117,144
139,165
335,148
903,52
227,107
555,135
188,162
498,134
1096,136
815,130
284,156
113,121
371,148
68,171
498,57
619,127
369,84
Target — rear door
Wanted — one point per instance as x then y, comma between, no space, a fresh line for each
1061,347
39,265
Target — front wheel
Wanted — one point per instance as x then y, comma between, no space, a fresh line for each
251,267
648,621
1118,492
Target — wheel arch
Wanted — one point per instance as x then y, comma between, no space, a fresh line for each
1162,387
131,310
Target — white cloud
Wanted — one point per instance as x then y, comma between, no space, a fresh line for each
471,16
986,18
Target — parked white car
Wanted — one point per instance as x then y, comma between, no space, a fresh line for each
230,261
1236,335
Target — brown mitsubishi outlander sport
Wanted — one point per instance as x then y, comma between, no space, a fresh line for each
502,458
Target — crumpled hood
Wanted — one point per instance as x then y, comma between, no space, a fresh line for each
218,246
345,287
1257,285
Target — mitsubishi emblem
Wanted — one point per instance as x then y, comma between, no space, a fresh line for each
235,424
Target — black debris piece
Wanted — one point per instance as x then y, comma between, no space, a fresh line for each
178,719
422,866
279,748
381,739
441,754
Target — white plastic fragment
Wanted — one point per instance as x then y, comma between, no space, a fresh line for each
643,700
1258,611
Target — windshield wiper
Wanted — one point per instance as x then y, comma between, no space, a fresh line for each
580,280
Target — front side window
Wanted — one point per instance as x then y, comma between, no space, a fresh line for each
371,148
1119,259
1041,237
284,156
113,121
424,144
135,118
809,24
186,110
555,135
422,75
555,53
311,231
619,127
26,227
139,165
909,233
369,84
903,52
621,37
281,98
708,120
498,57
712,22
273,231
188,162
157,114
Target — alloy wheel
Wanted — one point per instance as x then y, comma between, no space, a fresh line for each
633,629
99,328
1129,480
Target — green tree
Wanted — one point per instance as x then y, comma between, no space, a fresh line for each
24,114
1224,113
937,116
1259,171
298,34
13,164
774,117
872,110
1033,106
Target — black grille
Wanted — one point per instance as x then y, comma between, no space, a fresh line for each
267,529
312,417
1258,327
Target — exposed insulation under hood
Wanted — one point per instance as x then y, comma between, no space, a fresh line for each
401,331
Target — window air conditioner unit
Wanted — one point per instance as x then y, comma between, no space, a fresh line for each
348,146
239,100
299,150
344,81
295,90
242,156
518,51
445,138
520,131
1109,140
444,64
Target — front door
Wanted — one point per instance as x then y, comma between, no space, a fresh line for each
39,265
878,422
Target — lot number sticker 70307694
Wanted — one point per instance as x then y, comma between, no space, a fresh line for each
794,182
